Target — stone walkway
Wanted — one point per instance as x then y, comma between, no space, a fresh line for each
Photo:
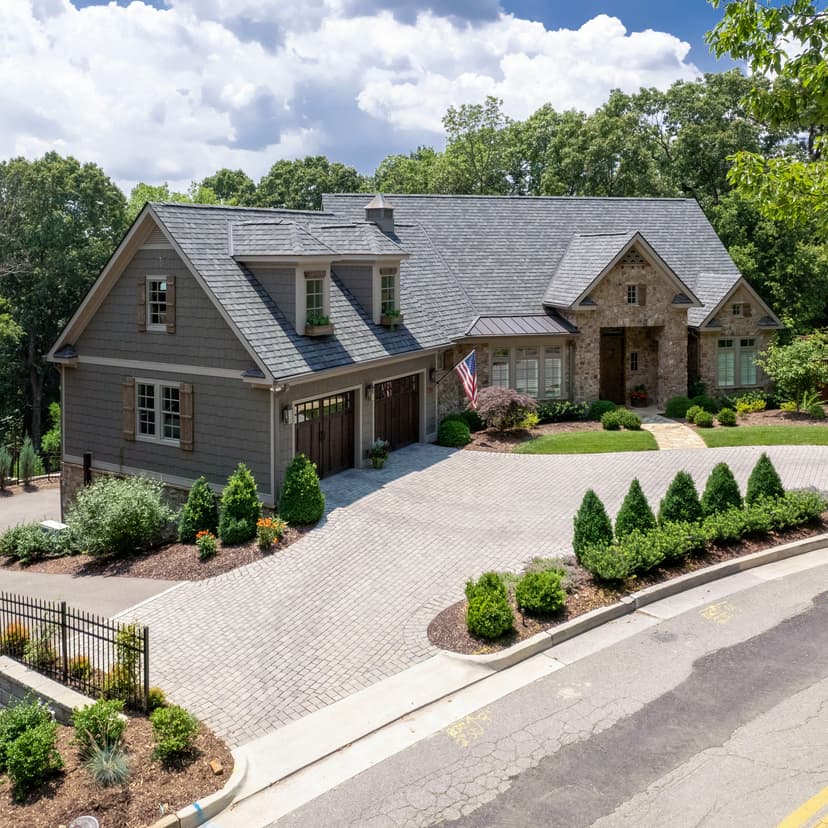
349,604
671,435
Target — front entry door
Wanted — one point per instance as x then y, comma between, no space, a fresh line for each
612,365
325,432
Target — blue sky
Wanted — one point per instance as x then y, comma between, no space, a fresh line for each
173,90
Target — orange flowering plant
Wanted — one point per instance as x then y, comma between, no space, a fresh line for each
206,543
269,531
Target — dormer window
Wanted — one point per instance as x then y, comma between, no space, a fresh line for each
313,303
388,290
314,296
386,297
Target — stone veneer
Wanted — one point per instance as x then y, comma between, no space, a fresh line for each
728,326
658,330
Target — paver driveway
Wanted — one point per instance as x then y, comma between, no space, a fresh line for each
349,603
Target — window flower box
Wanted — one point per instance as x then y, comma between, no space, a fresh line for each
392,319
319,330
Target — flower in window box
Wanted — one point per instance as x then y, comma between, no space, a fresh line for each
317,324
391,318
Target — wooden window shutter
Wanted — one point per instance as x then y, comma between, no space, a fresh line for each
747,310
185,408
642,295
171,304
128,409
141,304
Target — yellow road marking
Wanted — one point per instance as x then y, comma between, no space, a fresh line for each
720,613
470,728
803,814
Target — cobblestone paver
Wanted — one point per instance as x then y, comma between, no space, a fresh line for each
348,604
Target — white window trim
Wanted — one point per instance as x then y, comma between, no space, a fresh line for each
376,292
301,295
736,349
634,286
542,353
158,436
158,327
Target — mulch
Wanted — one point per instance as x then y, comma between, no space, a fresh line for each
152,790
174,562
505,441
448,629
774,416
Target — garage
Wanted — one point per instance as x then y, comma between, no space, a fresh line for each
397,410
325,432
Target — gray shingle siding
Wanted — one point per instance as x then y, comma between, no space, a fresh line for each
201,336
280,284
359,279
231,425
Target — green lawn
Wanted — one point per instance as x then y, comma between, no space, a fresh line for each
780,435
589,442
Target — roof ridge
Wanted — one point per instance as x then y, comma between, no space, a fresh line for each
190,205
526,198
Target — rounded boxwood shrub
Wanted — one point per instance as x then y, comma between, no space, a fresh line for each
119,516
721,492
704,419
174,730
592,526
726,417
473,420
705,402
601,407
301,500
488,582
681,501
611,420
199,512
489,615
540,593
677,407
629,419
16,719
764,481
240,507
635,512
32,758
690,416
453,433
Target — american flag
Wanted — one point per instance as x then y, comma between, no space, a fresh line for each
467,371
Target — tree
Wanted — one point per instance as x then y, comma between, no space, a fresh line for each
798,368
233,187
141,193
59,222
298,185
476,136
635,513
785,43
421,171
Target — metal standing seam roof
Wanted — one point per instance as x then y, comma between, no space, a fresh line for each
520,326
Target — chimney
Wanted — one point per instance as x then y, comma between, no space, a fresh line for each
381,212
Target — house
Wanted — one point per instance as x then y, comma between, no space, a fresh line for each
216,335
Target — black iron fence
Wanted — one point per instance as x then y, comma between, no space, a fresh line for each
92,654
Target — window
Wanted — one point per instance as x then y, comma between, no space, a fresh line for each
633,360
159,411
552,373
737,363
157,304
726,369
632,294
388,292
747,362
526,371
314,298
500,367
736,308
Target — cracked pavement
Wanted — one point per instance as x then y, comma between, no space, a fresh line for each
709,718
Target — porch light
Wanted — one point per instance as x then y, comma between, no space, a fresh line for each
287,415
369,392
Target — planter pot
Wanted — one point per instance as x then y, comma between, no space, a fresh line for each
378,462
639,403
319,330
388,321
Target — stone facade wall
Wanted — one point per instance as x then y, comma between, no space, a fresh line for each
665,339
450,395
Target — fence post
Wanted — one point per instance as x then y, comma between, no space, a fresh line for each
146,670
64,638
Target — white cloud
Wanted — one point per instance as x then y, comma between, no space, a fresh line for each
178,92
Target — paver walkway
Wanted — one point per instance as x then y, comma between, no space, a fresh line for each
671,435
349,603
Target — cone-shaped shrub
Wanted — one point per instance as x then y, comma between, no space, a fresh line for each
592,525
27,461
301,500
240,507
721,492
763,481
635,512
199,512
681,501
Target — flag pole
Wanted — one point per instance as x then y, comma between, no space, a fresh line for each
454,368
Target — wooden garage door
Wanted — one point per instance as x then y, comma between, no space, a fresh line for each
325,432
397,410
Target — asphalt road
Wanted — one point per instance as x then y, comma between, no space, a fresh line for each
29,506
714,716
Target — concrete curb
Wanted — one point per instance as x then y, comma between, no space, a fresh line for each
206,808
634,601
